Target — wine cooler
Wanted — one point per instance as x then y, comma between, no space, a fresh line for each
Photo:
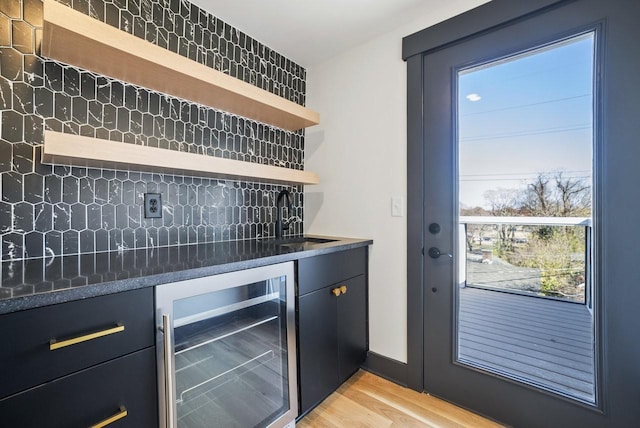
226,350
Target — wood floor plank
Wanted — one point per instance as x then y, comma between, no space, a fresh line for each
399,406
457,416
398,415
399,400
344,412
316,419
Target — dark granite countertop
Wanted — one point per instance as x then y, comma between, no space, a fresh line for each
33,283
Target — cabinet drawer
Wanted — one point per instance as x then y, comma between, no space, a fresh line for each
318,272
91,396
26,355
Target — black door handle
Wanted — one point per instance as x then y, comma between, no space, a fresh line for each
435,253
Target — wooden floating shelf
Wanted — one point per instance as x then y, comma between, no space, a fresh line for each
79,40
69,149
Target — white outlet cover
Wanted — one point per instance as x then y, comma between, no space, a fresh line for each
397,206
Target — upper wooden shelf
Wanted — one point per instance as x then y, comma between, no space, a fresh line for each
77,39
69,149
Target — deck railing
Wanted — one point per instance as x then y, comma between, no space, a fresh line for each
527,221
465,221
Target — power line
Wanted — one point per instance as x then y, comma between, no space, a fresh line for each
557,100
516,179
527,133
528,173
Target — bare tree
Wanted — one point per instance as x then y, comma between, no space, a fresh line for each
574,196
538,197
557,196
504,202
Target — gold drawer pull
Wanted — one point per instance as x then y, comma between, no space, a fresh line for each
121,414
336,292
343,289
54,344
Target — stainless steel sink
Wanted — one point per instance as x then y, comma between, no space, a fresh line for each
303,243
306,240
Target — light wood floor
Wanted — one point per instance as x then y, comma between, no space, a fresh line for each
369,401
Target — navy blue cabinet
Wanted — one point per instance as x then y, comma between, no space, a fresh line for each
332,323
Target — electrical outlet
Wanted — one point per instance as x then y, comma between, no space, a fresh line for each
152,205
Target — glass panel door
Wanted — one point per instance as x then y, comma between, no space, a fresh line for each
525,138
592,118
229,360
231,356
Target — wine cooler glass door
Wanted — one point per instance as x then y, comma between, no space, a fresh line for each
232,359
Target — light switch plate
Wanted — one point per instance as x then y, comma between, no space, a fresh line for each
397,206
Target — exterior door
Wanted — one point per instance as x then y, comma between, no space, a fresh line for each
471,338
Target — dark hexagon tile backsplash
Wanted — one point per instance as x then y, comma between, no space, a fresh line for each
59,210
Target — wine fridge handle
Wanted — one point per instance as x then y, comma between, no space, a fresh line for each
170,401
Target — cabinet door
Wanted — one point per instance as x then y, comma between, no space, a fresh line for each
121,391
352,327
317,344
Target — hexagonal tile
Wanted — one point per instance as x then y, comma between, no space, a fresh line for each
79,110
23,37
70,189
70,242
71,81
62,106
87,241
78,216
43,213
111,110
33,188
12,246
61,217
12,126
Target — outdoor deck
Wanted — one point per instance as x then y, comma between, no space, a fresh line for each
545,342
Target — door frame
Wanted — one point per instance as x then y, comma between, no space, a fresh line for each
619,393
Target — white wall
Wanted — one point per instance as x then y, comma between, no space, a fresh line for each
359,151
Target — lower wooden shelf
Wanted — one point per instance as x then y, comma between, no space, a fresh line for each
76,150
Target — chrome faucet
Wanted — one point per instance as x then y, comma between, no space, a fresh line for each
281,224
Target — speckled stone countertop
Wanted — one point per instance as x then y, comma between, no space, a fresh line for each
34,283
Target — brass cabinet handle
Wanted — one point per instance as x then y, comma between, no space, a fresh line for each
336,292
121,414
54,344
343,289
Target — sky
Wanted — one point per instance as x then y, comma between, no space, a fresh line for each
525,115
